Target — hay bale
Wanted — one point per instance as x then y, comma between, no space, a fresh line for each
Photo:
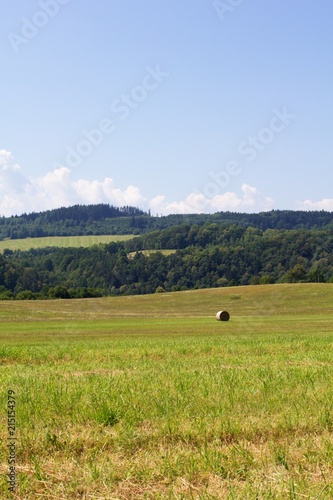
222,316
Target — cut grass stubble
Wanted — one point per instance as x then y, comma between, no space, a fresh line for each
173,407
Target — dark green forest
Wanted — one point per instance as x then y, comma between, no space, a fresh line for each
77,220
210,254
100,219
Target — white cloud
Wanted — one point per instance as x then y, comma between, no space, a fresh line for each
251,200
11,178
324,204
7,161
56,188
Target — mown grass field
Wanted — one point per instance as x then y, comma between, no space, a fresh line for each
164,251
150,397
61,241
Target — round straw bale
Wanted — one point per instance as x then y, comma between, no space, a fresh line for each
222,316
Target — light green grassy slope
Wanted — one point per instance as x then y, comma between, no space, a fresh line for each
60,241
151,397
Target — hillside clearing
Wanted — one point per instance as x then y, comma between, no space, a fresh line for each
165,251
61,241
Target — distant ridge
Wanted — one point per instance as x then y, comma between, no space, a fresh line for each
82,212
203,251
103,219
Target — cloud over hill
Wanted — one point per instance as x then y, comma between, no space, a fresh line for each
20,193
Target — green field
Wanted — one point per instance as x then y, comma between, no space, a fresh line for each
61,241
149,397
150,252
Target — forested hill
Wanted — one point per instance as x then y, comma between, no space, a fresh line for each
77,220
212,255
99,219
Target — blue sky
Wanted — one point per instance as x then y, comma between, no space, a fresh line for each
177,106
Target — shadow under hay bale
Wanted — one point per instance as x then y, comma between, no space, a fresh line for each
222,316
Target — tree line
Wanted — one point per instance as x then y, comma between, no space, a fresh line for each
212,255
77,220
100,219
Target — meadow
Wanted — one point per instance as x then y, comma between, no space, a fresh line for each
149,397
60,241
165,251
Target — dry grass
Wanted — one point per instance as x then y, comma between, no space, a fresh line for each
118,406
